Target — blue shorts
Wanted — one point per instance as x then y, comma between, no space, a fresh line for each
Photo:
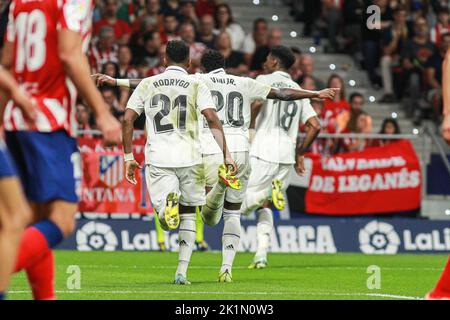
6,165
45,163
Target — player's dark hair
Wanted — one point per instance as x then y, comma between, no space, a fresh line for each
212,60
284,55
177,51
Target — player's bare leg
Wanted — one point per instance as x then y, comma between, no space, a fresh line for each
14,215
186,236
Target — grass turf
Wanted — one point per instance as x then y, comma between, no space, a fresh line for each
148,275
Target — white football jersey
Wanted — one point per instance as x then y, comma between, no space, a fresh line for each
233,96
171,101
277,123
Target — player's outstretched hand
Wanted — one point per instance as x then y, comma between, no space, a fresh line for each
25,103
446,128
328,93
300,166
102,79
130,171
231,165
110,128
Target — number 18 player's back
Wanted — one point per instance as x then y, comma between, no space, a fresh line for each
33,27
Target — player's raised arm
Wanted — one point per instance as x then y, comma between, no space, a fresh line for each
103,79
446,95
77,68
287,94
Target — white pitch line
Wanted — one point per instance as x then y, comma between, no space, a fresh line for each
242,267
331,294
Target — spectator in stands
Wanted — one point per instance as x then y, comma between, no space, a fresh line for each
104,49
234,60
188,13
311,13
308,83
110,97
261,53
256,39
335,112
204,7
442,26
206,31
171,7
126,71
170,30
434,77
187,34
225,22
371,38
151,16
149,54
363,125
415,54
83,117
356,101
121,29
389,126
160,67
295,70
353,13
393,42
307,70
129,11
333,16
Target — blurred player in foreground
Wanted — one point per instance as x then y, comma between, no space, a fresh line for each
171,102
45,46
14,210
277,125
442,289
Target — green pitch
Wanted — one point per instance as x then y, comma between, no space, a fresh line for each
148,275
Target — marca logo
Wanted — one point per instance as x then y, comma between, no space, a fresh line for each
378,237
96,236
111,170
302,239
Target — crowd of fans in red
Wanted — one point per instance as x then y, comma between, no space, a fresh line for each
129,40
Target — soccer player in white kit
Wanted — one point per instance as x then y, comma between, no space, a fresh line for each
232,96
171,102
277,125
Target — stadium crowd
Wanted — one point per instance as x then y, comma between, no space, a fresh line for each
403,57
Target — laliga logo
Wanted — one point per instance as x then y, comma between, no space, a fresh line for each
96,236
378,238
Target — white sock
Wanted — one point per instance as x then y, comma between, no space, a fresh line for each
212,210
230,237
186,237
254,200
263,231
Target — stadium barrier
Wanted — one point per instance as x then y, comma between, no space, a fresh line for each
382,179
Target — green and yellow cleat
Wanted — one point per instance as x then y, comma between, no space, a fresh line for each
277,195
202,245
231,181
261,264
181,280
225,277
162,246
171,211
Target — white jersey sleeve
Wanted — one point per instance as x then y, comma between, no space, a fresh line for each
306,111
204,98
137,99
257,90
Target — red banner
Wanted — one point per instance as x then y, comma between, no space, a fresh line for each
103,185
377,180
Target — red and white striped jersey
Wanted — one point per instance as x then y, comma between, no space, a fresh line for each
33,27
